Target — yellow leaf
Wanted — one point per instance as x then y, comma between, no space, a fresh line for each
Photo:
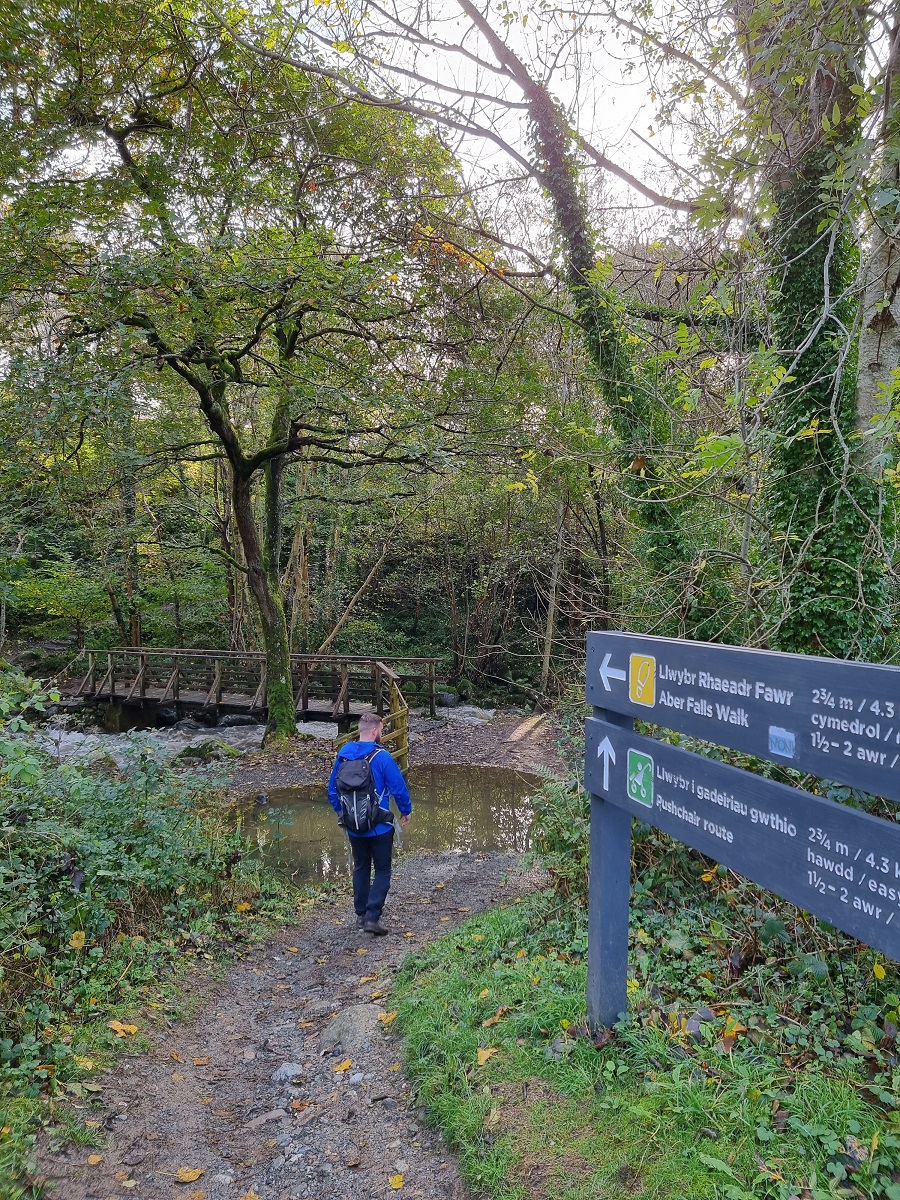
484,992
501,1012
6,1129
244,906
477,937
376,995
708,876
250,1196
362,950
198,1195
76,941
93,1159
484,1055
387,1018
409,933
86,1064
291,949
188,1174
396,1182
878,971
368,979
121,1030
520,953
343,1066
202,1062
177,1056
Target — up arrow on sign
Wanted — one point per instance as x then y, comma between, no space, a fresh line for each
606,752
607,673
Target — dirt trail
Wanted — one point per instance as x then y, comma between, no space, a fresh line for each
253,1098
247,1091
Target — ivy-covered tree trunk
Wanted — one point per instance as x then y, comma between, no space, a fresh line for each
822,505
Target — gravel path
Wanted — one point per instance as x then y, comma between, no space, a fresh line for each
248,1095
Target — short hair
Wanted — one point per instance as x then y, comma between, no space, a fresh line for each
370,722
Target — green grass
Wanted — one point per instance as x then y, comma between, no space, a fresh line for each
653,1112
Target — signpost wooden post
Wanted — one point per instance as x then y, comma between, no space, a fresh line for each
838,720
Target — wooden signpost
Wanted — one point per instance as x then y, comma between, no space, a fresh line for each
838,720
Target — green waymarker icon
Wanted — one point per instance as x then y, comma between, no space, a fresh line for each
640,777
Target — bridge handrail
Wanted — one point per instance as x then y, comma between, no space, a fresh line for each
255,655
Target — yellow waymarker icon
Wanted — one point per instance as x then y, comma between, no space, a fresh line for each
642,679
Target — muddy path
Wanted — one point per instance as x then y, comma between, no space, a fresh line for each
520,743
250,1097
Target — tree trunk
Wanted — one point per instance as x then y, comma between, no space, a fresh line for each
879,338
550,627
282,717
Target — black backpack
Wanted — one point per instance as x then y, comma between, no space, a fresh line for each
360,810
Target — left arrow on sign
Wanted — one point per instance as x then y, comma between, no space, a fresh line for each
607,673
606,752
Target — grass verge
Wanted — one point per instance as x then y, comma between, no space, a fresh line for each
723,1099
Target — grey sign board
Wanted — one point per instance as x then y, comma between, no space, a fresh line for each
837,720
834,719
841,864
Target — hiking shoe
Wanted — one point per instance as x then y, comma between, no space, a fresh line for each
375,927
360,921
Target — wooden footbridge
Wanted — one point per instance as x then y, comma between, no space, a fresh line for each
209,684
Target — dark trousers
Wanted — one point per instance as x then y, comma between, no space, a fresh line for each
370,894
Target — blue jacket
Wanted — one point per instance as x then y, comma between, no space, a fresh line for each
388,782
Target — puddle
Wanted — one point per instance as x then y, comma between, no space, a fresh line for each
454,808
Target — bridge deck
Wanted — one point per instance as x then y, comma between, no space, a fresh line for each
326,687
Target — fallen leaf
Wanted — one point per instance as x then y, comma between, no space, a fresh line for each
445,918
202,1062
93,1124
396,1182
306,1024
376,995
177,1056
86,1064
178,1078
250,1196
188,1174
299,1105
438,886
121,1030
198,1195
291,949
362,950
394,1067
345,1065
501,1012
368,979
485,1054
8,1129
477,937
483,993
130,1183
387,1018
244,906
76,941
521,953
93,1159
353,1162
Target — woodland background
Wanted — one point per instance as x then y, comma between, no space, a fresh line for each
328,321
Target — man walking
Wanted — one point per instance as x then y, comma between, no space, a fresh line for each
361,797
